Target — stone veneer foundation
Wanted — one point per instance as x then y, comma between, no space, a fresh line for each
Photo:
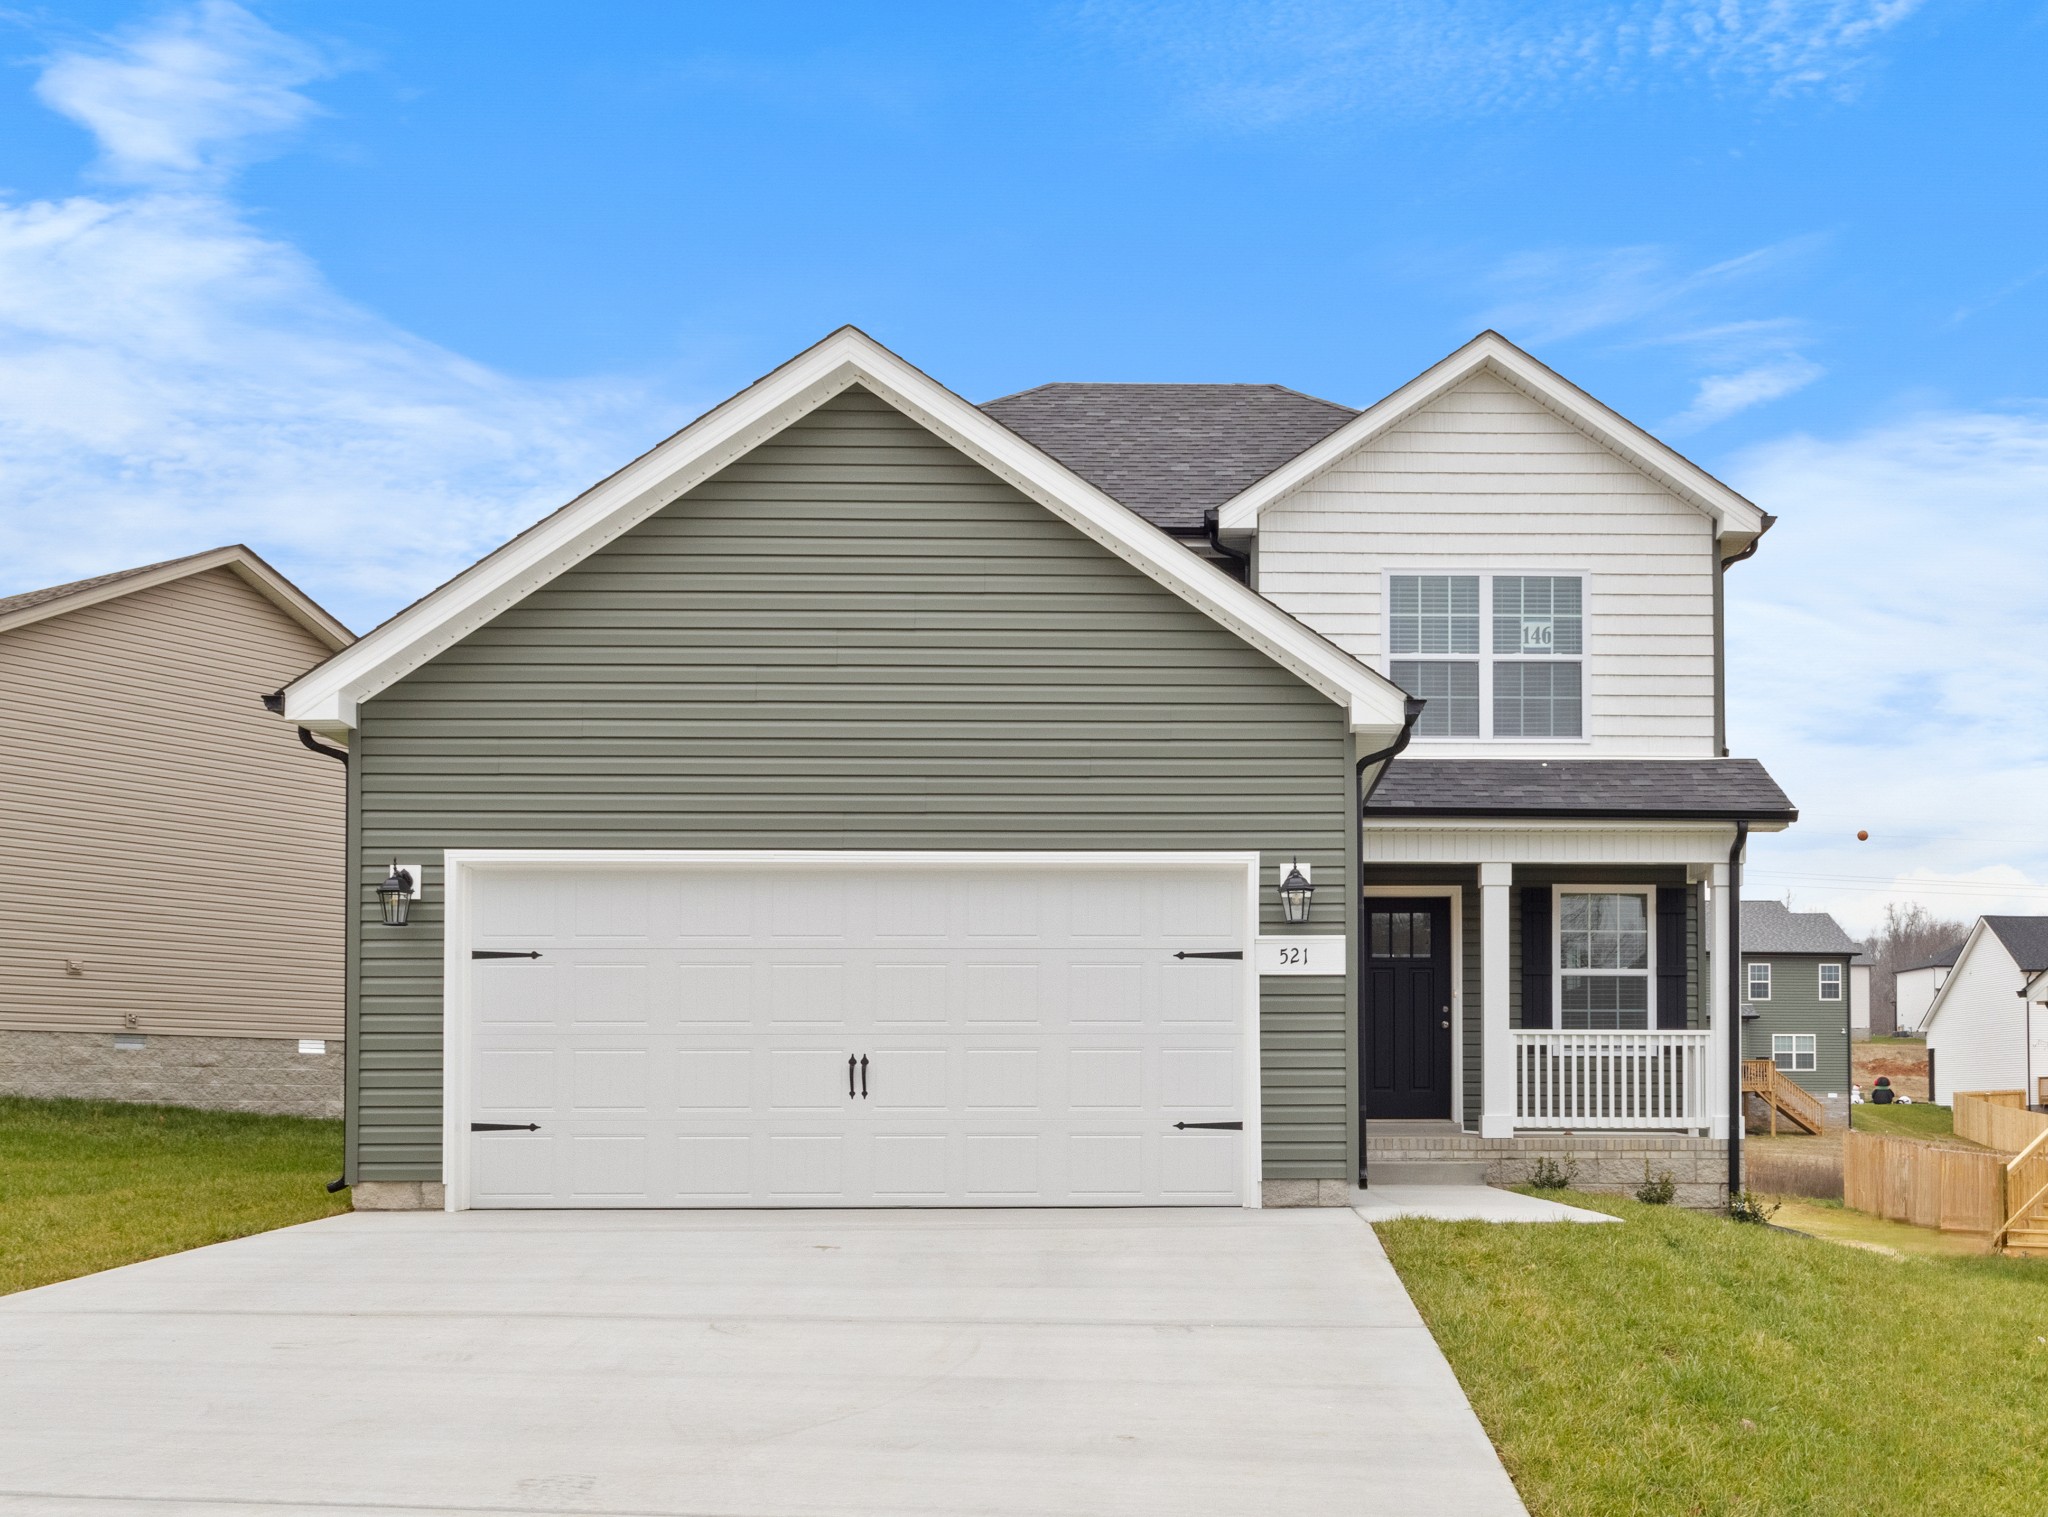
1614,1163
216,1074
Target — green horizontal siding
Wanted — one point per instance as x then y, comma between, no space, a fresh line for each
1795,1006
853,637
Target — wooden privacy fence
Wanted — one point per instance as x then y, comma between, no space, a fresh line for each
1998,1119
1958,1190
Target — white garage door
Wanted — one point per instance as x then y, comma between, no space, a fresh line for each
852,1034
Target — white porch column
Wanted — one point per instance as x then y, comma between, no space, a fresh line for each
1722,1021
1497,1103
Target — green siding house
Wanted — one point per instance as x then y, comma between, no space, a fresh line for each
1796,969
871,798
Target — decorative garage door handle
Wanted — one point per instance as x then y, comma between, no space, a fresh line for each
1214,1126
863,1077
849,1077
1227,953
504,1127
501,953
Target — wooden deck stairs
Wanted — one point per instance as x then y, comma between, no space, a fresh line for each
2026,1195
1781,1096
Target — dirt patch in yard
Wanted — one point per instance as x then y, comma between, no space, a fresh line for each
1904,1064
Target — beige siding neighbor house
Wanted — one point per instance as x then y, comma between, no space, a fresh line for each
169,883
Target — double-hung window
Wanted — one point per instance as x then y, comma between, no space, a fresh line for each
1793,1052
1604,966
1759,982
1831,982
1494,655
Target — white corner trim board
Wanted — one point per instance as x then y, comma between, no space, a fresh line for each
325,698
466,870
1733,516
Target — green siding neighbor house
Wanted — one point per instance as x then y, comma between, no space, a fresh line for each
1796,987
868,798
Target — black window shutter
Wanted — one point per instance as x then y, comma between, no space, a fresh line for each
1536,956
1671,956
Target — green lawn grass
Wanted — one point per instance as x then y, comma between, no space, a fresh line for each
87,1185
1922,1119
1686,1364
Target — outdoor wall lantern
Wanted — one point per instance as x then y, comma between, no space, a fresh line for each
1295,891
396,895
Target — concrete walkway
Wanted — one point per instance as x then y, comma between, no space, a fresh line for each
1465,1203
746,1364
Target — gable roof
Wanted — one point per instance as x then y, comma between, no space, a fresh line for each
1169,452
325,698
59,600
1946,959
1773,927
1736,520
2025,938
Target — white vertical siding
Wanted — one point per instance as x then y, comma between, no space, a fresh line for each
1978,1038
1487,479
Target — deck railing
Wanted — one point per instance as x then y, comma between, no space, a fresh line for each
1593,1080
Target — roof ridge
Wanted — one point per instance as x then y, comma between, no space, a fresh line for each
45,594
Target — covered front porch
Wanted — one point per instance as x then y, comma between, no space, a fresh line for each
1547,993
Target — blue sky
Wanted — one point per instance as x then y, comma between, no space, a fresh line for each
370,286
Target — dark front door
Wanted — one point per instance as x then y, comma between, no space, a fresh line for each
1407,1012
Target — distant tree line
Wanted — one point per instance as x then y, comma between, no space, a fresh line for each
1911,935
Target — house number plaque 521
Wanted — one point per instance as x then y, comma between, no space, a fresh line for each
1303,955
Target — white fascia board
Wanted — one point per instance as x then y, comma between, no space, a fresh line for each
1733,516
1955,973
326,698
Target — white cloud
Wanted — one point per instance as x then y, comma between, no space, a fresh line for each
1886,662
192,94
1259,65
1643,296
1720,396
171,380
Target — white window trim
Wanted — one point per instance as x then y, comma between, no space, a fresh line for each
1557,969
1821,981
1455,894
1811,1053
1485,656
1749,980
461,865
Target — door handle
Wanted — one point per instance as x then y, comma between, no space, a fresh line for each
863,1077
849,1077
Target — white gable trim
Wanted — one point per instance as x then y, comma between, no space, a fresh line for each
1733,516
235,558
1978,934
326,698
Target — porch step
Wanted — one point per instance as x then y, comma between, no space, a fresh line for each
2027,1240
1424,1171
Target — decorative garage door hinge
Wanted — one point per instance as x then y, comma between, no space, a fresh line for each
504,1127
501,953
1227,953
1214,1126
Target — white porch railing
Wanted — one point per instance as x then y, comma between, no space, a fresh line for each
1592,1080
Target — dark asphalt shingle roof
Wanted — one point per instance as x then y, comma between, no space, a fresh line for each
29,598
1169,452
1719,789
2025,938
1946,959
1773,927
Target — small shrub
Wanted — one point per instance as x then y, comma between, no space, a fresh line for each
1748,1206
1661,1191
1550,1174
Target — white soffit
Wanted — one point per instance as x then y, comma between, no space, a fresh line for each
1733,516
325,698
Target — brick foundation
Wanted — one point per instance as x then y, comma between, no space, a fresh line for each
216,1074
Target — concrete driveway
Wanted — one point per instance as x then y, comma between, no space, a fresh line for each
729,1364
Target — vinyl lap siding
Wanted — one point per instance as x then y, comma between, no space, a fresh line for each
1486,479
110,829
1795,1006
854,637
